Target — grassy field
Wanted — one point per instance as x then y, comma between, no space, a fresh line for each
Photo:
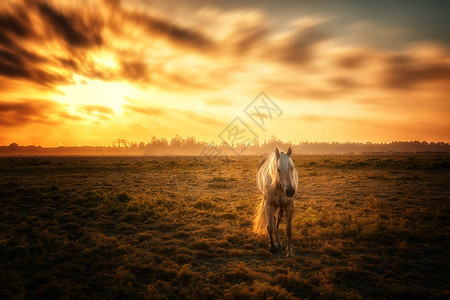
365,226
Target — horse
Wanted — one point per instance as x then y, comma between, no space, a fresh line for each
277,180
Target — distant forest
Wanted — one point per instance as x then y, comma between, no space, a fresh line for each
191,146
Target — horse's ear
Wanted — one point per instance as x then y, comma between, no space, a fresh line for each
277,153
289,153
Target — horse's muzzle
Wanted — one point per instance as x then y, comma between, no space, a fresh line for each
290,191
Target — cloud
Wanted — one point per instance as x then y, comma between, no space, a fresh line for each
13,24
35,37
353,59
248,38
21,113
68,116
158,26
64,39
175,33
100,112
150,111
298,45
71,36
151,48
135,70
22,64
317,89
19,60
71,27
238,32
16,62
403,71
343,82
302,63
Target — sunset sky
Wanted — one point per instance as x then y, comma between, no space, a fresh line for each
90,72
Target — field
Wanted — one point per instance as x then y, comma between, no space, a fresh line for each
365,226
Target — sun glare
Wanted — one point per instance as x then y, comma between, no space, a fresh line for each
94,92
105,61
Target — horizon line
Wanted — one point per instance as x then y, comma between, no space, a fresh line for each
198,142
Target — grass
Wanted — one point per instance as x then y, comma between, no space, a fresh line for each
365,226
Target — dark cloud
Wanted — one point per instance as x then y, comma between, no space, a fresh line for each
403,71
15,22
71,36
22,112
299,47
20,57
22,64
12,65
173,32
295,90
352,60
158,26
73,32
71,27
16,61
69,63
134,70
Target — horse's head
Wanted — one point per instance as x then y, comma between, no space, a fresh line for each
286,173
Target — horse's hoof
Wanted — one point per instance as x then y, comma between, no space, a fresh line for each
289,255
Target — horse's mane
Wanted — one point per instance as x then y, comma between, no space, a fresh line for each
267,170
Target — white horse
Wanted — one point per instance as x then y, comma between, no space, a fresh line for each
277,180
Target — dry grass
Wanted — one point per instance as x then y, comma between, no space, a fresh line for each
365,227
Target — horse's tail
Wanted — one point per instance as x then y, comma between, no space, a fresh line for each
260,219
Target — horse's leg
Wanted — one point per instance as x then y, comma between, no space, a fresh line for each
277,237
289,217
280,217
270,210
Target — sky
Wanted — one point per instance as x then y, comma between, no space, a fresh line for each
91,72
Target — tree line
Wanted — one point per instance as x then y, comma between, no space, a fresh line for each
191,146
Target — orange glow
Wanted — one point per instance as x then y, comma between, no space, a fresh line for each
119,69
95,92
